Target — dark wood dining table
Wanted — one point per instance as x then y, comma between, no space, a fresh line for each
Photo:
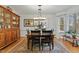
41,36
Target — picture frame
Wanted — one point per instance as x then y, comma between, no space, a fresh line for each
28,22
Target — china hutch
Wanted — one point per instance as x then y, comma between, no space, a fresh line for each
9,27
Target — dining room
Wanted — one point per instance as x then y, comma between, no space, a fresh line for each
39,28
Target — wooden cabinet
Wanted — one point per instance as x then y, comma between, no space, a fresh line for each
9,27
2,40
8,37
18,32
14,35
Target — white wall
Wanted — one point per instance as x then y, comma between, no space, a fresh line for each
50,19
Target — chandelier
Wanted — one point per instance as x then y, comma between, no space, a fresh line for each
40,13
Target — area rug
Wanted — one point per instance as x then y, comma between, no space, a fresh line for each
58,48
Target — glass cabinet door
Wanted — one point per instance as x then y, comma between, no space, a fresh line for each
17,22
7,20
14,21
1,18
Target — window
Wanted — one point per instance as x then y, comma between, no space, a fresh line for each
77,24
61,24
72,22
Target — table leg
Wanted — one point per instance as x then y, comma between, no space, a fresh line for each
40,44
39,47
52,45
28,43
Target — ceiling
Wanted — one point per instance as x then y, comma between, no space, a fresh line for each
33,9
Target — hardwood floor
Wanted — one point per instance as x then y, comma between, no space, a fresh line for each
14,46
69,46
21,46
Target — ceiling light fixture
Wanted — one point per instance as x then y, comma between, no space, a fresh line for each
40,13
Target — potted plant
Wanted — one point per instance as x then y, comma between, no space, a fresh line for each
74,35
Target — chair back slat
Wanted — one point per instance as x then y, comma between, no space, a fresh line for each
34,32
47,32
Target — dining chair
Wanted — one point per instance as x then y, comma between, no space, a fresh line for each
47,38
35,37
